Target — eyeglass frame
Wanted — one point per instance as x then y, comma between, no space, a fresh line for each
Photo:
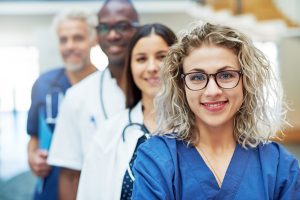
183,76
113,26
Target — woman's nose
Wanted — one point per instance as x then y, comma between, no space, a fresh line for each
152,65
212,88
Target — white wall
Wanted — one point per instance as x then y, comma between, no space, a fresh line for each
31,30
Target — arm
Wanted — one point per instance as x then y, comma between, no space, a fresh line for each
68,184
288,177
153,174
37,158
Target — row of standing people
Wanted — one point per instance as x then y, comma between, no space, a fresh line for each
98,96
214,125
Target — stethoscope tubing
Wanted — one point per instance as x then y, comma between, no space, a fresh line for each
101,94
142,128
130,123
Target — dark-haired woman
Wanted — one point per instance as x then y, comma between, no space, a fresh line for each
107,173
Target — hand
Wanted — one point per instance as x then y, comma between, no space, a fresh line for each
37,160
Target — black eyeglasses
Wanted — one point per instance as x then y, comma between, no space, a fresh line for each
224,79
120,27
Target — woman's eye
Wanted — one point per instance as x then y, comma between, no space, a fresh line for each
141,59
226,75
161,57
197,77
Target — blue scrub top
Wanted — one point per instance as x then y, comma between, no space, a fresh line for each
166,168
51,82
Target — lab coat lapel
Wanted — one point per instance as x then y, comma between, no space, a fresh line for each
133,133
113,101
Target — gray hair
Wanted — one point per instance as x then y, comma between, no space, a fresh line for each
82,15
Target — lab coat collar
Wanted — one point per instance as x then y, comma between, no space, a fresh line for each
137,113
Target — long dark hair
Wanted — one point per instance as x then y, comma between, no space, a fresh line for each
132,92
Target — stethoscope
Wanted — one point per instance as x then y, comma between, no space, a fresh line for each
142,127
54,88
101,94
130,123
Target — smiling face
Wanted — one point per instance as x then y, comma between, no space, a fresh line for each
114,44
213,107
146,60
75,43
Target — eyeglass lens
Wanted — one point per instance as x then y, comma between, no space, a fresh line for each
224,79
121,27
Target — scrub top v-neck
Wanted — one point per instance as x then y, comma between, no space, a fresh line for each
166,168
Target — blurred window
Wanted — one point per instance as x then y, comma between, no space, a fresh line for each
270,50
19,69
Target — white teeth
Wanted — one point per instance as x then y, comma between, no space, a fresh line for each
213,104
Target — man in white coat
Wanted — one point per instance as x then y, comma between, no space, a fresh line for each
95,99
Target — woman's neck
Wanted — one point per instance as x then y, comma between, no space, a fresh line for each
216,146
216,138
149,114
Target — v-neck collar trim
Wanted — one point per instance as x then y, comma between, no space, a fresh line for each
204,176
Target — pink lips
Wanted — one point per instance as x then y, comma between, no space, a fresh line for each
214,106
154,81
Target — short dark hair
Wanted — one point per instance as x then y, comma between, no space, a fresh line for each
126,3
132,92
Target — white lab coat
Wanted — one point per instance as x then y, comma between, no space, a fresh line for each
108,158
80,116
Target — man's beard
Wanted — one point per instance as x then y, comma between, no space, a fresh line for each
74,67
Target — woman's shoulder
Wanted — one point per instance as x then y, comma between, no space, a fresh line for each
275,150
274,154
165,141
278,162
165,147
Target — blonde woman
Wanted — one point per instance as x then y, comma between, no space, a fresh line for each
215,124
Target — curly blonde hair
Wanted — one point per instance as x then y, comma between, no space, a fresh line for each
262,112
